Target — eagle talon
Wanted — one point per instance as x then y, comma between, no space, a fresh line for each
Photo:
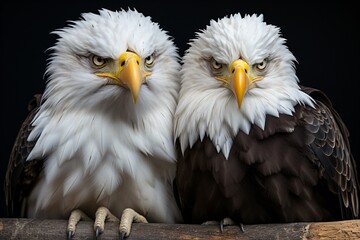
242,227
97,232
222,225
76,216
122,235
69,235
128,217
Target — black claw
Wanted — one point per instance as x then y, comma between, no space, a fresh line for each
242,227
97,232
222,225
69,235
122,235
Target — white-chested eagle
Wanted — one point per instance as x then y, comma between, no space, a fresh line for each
254,146
100,137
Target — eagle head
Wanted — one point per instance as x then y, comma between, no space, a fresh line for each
235,72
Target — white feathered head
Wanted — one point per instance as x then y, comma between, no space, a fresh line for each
114,58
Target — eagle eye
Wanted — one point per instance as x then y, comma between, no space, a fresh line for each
261,65
216,66
149,60
98,61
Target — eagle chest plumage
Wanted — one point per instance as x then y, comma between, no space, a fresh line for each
84,166
271,175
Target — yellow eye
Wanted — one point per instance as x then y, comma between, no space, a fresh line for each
215,65
98,62
149,60
261,66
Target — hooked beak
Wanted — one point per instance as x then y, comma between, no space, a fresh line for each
127,73
239,79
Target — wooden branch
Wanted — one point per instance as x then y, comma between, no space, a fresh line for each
22,228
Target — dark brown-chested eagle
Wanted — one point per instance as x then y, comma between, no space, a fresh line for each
253,145
100,139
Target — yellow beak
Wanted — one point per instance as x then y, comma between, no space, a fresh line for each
127,73
130,74
239,79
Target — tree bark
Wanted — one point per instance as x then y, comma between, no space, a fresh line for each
24,228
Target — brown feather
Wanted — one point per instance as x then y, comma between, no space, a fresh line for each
21,175
274,175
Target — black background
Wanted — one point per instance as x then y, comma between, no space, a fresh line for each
324,37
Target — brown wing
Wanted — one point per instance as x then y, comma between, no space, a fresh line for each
331,148
21,174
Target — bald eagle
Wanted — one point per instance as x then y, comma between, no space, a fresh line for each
254,146
99,140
